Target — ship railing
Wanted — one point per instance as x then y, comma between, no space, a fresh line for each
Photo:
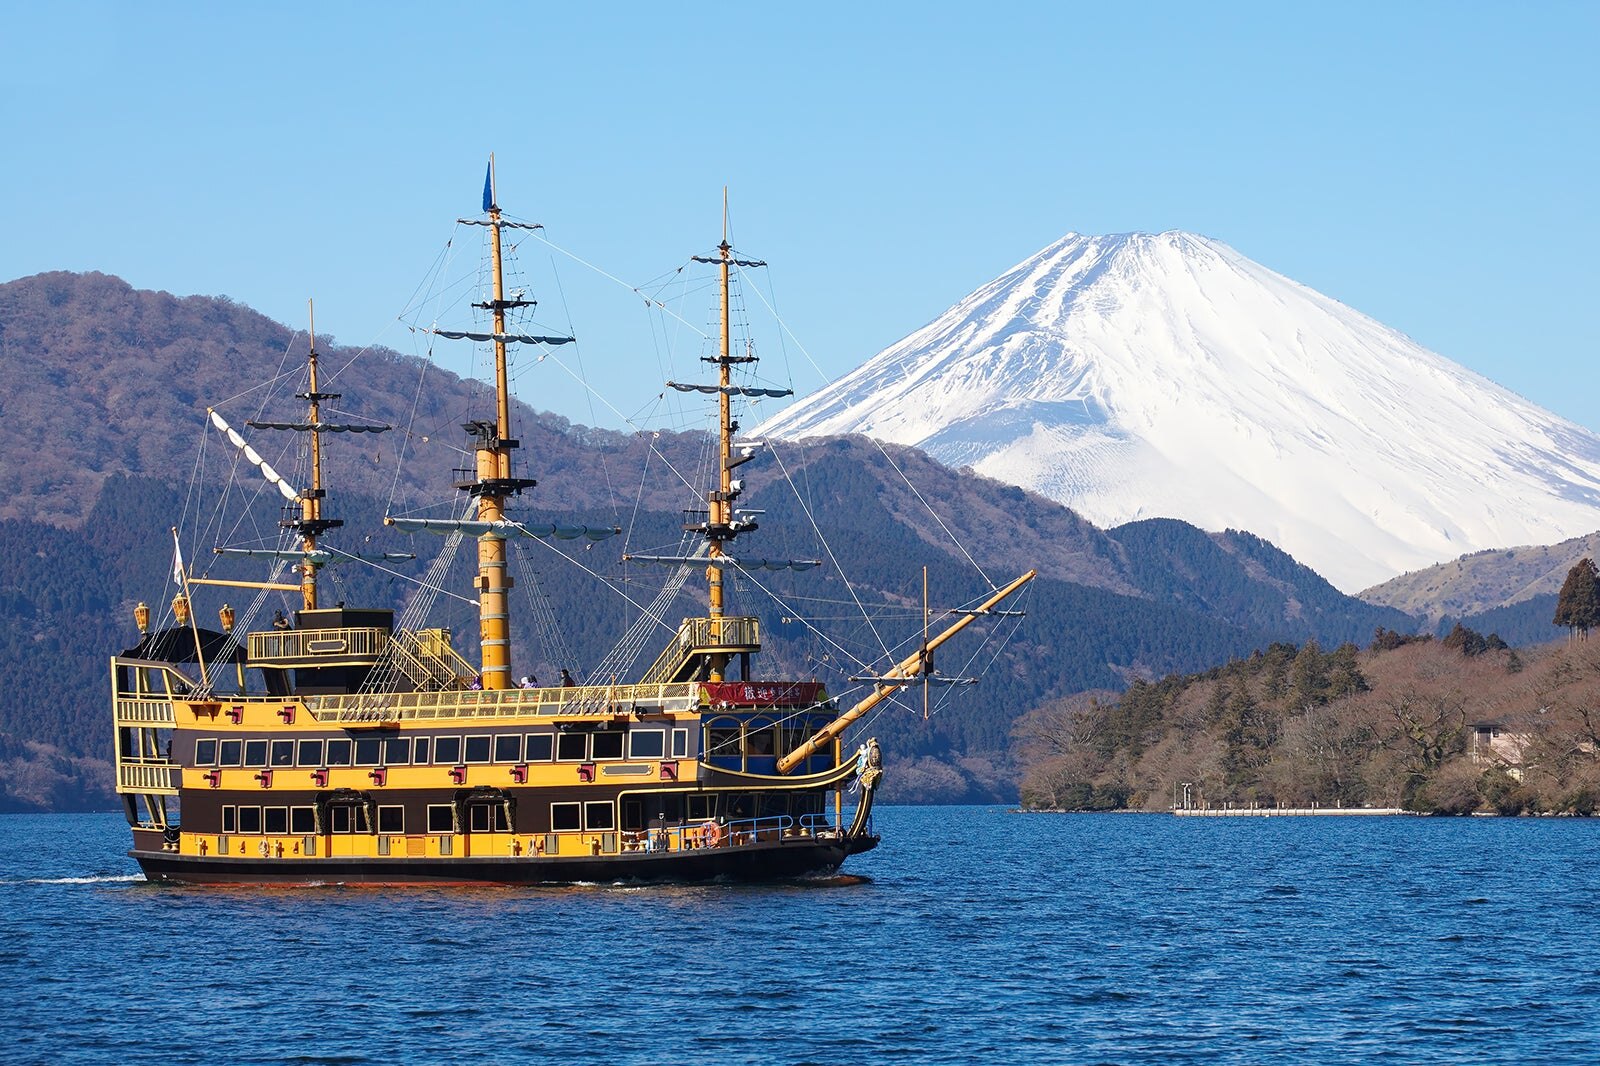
157,776
818,825
577,701
696,635
138,712
364,642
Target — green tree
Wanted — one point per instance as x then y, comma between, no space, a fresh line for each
1578,605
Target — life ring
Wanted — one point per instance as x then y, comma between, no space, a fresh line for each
710,835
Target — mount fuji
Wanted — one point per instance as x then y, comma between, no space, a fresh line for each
1165,375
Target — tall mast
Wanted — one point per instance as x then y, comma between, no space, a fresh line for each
311,502
494,478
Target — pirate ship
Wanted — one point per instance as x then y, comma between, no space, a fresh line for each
348,745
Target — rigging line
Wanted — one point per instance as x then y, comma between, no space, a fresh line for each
840,648
411,421
810,517
784,327
539,236
605,467
556,359
949,694
402,577
935,514
607,582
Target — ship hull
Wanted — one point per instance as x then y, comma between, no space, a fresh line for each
748,863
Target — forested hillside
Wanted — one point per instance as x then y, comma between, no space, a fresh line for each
1450,725
80,549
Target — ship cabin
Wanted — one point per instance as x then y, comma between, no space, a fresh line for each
345,737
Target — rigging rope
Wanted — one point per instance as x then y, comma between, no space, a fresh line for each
558,653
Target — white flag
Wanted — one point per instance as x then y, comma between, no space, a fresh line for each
177,558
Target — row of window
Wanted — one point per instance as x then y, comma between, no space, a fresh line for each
490,817
441,818
640,744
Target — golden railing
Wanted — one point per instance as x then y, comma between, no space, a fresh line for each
145,712
700,635
581,700
151,777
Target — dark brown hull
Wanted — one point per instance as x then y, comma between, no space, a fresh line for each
747,863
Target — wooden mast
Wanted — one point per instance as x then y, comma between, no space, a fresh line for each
311,502
494,473
720,501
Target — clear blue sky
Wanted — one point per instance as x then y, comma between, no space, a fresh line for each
1430,164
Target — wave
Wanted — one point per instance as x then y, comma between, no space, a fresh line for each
95,879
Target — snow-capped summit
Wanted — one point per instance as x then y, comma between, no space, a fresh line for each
1142,375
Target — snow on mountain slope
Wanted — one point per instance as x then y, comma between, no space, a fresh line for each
1139,375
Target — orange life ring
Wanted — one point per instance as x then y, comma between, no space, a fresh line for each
710,835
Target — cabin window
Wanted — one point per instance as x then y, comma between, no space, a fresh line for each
310,753
680,743
702,805
230,820
230,753
540,746
666,808
441,818
302,820
423,743
392,819
600,814
447,750
397,751
739,806
205,752
368,751
647,744
249,819
283,753
508,748
722,741
339,819
255,753
772,805
275,820
572,747
608,746
338,753
566,817
477,749
808,803
759,741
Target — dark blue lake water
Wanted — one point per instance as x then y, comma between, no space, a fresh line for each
971,935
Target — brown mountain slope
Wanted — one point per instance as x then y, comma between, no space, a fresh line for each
1484,581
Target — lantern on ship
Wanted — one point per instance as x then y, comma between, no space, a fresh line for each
225,616
180,609
141,618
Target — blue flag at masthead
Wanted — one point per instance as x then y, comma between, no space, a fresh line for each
488,187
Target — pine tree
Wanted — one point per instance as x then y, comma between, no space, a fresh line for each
1578,605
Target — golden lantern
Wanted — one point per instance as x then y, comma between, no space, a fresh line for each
180,609
141,618
225,615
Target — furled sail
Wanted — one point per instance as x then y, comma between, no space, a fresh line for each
286,490
727,561
319,427
504,338
731,390
505,529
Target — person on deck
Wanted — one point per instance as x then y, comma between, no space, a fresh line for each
279,621
566,679
528,681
